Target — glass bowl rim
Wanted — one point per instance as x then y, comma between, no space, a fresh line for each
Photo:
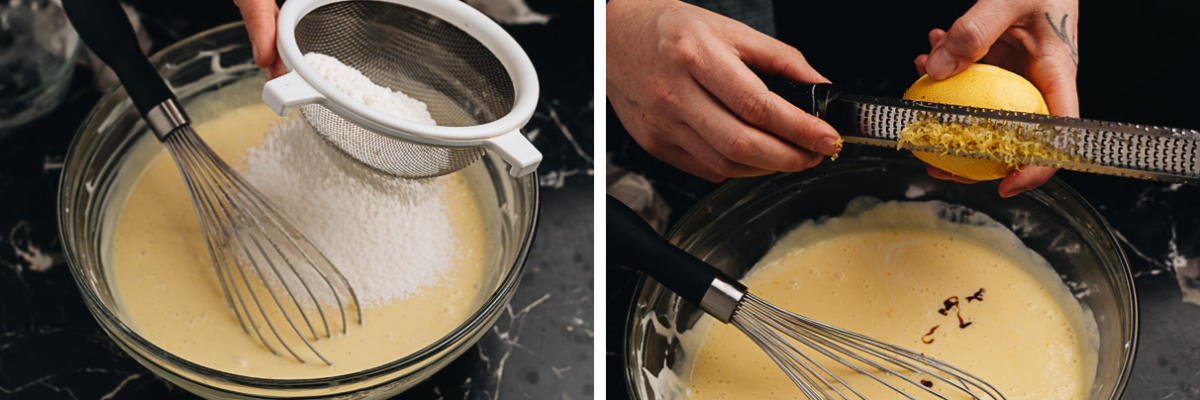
645,285
115,327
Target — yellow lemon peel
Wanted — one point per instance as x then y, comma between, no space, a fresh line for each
984,86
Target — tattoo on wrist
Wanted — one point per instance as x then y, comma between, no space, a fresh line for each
1072,42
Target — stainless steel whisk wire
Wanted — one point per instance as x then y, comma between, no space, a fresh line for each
228,207
759,320
239,224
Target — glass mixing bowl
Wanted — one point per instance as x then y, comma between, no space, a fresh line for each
734,227
113,146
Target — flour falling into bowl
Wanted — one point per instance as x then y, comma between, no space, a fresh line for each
390,237
416,252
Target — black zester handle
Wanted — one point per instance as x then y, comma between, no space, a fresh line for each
813,98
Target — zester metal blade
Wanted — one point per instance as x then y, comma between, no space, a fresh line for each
1115,148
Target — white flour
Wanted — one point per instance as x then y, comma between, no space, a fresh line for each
356,85
389,237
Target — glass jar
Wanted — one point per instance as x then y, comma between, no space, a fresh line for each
38,48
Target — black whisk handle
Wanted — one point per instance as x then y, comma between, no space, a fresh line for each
632,243
105,29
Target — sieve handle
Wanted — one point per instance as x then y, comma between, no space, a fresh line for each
287,91
516,150
106,30
632,243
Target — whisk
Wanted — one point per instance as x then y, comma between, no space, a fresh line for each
789,339
282,288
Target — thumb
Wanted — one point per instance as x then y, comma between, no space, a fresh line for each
970,38
260,18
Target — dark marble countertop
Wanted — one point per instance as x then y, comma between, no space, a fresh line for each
541,347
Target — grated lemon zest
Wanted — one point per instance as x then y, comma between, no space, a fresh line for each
995,139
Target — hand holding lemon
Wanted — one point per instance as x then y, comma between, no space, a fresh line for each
980,85
1036,40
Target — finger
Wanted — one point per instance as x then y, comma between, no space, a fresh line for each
260,18
680,158
935,36
1052,70
1056,81
1025,178
970,37
772,57
920,63
739,142
700,149
945,175
1055,78
687,162
276,69
737,88
658,136
816,160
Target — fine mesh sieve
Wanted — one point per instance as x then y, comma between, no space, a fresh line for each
477,83
384,154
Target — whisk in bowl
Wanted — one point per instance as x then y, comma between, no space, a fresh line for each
283,289
797,344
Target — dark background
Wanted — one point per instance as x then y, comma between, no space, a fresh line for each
1138,63
1138,59
52,348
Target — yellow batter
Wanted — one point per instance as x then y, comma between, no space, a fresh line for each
170,292
886,273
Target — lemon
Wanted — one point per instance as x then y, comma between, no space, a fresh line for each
980,85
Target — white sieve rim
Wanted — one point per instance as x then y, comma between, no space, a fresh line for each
461,15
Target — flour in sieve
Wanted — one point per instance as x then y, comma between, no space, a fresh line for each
353,83
389,237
